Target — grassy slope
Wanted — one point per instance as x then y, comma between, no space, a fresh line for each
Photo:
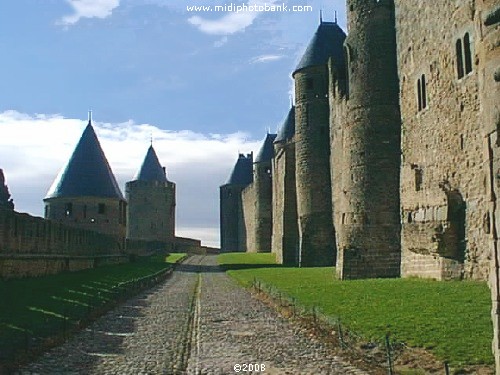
452,319
48,305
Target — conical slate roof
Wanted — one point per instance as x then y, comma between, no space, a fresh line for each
87,173
242,173
266,152
151,169
328,41
287,130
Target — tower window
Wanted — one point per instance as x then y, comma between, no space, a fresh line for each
460,61
101,208
422,93
418,179
467,53
68,209
464,56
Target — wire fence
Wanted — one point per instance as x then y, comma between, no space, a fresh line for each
386,348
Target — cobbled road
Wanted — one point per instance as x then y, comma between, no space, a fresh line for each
197,322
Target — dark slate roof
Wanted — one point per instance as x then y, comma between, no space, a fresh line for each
266,152
242,173
151,169
328,41
287,130
87,173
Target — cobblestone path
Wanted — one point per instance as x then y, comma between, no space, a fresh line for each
197,322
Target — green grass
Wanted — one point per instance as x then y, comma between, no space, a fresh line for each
246,260
47,306
451,319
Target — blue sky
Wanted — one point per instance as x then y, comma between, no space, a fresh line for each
207,85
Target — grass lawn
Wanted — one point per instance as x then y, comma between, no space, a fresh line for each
451,319
36,308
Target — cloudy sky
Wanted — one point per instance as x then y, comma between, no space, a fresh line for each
206,85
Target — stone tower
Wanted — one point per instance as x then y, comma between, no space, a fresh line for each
232,225
285,227
85,194
263,190
312,146
151,203
368,233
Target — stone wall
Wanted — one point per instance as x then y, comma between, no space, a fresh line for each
150,210
312,167
99,214
32,246
285,223
248,202
262,184
366,147
443,172
232,224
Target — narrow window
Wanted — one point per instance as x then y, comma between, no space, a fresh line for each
418,179
84,211
424,92
68,209
47,211
101,208
460,61
419,95
467,53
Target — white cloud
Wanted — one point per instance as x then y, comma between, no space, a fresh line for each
231,22
34,148
89,9
265,59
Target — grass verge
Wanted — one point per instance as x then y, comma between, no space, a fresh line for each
450,319
35,309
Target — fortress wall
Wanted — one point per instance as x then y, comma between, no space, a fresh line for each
263,206
248,199
32,246
232,225
443,144
285,230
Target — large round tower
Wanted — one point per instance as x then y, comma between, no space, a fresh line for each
312,147
369,233
85,194
151,203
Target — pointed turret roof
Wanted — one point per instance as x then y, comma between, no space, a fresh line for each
328,41
242,173
287,130
151,169
266,152
87,173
